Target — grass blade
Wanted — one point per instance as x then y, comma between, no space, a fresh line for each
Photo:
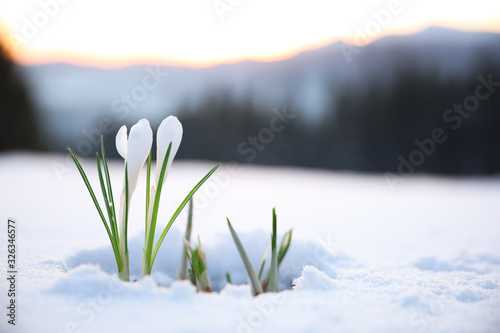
96,203
114,233
179,209
103,189
257,288
273,276
113,221
154,216
187,236
285,245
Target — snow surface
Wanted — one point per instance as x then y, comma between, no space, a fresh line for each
364,258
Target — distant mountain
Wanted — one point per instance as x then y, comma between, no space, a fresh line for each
71,98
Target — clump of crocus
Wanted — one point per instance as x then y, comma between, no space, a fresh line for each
136,149
270,282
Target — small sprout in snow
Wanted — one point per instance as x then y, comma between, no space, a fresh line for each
270,282
198,264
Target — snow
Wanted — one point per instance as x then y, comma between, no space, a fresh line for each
364,257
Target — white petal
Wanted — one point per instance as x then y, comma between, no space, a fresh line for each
170,130
139,145
121,141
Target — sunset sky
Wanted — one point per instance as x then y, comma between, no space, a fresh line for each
198,33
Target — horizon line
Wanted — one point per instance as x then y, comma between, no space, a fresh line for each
113,63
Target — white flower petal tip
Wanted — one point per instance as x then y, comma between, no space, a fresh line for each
170,130
121,141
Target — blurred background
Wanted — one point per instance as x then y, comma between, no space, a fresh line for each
373,86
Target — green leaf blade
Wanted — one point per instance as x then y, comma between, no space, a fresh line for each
113,221
156,205
246,261
273,277
96,203
179,209
187,236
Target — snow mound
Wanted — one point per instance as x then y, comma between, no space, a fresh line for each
314,279
222,258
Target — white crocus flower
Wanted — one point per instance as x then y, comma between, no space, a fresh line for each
169,131
135,150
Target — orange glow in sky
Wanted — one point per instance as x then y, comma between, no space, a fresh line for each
115,33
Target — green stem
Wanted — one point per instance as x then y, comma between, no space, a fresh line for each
148,191
146,270
124,274
187,236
